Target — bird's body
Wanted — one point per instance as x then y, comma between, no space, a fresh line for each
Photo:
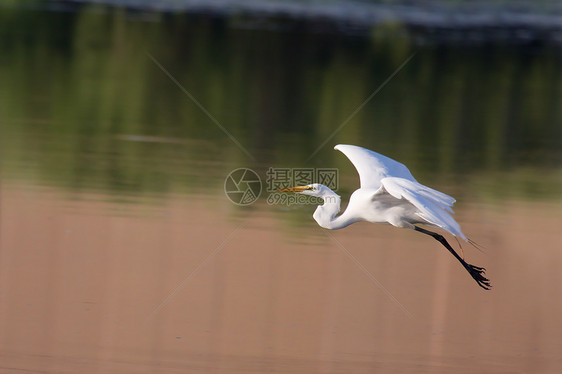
389,194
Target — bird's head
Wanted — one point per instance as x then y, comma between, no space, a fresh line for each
314,189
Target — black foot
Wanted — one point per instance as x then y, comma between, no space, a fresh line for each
475,272
478,274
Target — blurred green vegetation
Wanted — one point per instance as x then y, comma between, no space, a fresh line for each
83,107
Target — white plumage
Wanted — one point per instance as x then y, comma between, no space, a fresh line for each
389,194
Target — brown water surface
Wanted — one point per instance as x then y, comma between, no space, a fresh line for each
95,287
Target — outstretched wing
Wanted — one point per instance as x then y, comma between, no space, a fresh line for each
386,175
373,167
433,206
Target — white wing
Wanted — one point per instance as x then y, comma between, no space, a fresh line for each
373,167
384,174
433,206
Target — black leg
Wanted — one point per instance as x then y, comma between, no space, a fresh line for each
475,271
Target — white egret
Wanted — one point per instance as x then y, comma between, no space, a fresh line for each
389,194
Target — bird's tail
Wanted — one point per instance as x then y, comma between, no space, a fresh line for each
477,246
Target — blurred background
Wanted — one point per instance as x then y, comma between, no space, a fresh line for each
120,121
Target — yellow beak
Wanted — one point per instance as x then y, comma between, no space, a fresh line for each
295,189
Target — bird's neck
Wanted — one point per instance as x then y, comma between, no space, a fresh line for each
325,214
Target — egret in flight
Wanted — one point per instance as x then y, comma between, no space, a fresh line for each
389,194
